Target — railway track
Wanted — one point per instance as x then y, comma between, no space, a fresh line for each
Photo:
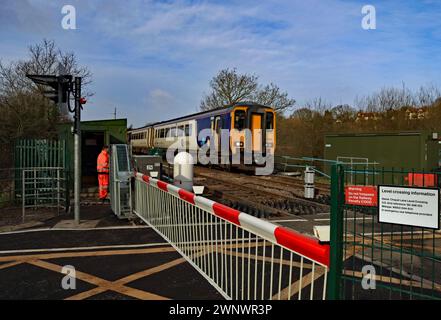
294,183
263,196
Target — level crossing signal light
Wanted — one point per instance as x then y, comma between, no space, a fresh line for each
58,89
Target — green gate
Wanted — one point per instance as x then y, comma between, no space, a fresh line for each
41,154
404,261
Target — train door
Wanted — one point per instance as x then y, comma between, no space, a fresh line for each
256,129
217,126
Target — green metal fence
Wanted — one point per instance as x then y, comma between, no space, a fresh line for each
403,261
39,153
35,153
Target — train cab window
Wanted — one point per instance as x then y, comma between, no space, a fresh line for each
239,119
187,130
269,120
181,132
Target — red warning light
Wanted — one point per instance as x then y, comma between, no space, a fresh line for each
83,100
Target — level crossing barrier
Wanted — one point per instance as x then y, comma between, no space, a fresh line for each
242,256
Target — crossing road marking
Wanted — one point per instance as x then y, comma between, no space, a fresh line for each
103,284
74,229
25,258
86,248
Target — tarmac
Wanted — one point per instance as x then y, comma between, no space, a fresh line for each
112,258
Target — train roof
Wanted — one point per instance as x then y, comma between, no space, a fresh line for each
198,115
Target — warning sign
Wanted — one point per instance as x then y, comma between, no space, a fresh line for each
361,196
409,206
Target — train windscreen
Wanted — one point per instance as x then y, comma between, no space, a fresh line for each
269,121
239,119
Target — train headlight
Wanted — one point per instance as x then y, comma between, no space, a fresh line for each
238,144
269,145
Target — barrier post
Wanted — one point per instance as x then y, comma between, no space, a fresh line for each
336,238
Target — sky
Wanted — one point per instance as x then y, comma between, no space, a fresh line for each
153,60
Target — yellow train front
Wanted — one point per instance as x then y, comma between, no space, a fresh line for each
249,128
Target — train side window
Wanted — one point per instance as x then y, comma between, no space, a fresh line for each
187,130
181,132
269,120
239,119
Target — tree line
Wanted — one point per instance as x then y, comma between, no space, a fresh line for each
390,109
26,113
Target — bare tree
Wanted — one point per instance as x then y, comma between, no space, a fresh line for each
388,98
271,95
230,87
318,104
25,112
427,95
44,58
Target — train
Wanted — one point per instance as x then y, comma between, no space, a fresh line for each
236,118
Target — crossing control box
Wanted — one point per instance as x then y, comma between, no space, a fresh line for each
148,164
120,176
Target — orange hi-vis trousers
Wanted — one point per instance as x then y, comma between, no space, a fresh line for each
102,166
103,185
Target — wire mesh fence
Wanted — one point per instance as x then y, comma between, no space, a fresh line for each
405,260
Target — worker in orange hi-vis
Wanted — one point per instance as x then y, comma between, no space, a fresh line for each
102,166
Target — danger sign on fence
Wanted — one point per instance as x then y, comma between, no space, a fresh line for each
361,196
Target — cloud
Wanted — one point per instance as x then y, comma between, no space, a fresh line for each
147,55
159,100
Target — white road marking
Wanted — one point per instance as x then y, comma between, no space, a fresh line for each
328,219
74,229
122,246
289,220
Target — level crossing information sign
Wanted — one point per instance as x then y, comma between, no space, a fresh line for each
409,206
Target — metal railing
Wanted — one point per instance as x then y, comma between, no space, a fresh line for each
287,163
43,187
242,256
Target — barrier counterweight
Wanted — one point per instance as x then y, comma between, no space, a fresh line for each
242,256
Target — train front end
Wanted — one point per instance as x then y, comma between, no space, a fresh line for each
253,133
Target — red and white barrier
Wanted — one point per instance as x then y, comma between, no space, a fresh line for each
304,245
241,255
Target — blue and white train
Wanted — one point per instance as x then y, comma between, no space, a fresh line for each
259,119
